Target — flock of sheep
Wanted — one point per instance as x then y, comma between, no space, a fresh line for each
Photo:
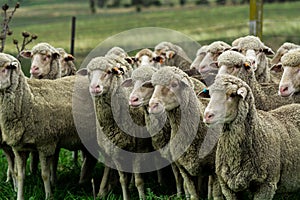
228,122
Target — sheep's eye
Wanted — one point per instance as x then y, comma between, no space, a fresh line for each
173,85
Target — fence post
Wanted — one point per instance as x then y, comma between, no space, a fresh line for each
73,35
256,18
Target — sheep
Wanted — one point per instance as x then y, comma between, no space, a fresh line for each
45,62
253,43
66,62
139,97
106,76
289,83
37,117
173,55
213,50
283,49
207,67
256,149
145,57
236,64
173,94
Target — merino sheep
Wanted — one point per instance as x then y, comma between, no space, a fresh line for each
66,62
257,150
45,62
213,50
158,126
253,43
236,64
174,94
37,117
145,57
290,64
283,49
173,55
111,107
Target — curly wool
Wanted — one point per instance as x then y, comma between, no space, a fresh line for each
143,73
167,74
291,59
43,48
231,58
217,46
250,42
101,63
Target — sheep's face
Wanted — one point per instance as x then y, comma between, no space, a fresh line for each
196,63
141,93
41,64
5,74
166,97
66,64
209,62
290,81
99,81
223,105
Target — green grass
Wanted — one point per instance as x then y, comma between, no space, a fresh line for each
204,24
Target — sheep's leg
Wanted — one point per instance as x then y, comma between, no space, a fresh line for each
216,188
20,159
104,185
53,167
226,191
88,165
139,184
45,168
34,161
178,179
9,154
159,177
124,184
265,191
75,157
189,184
203,186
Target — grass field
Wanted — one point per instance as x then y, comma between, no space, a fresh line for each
204,24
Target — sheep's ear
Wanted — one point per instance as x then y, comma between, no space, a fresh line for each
276,68
242,91
82,72
235,48
204,93
55,55
147,84
12,65
214,64
159,59
192,71
170,54
69,57
26,54
127,83
268,51
131,60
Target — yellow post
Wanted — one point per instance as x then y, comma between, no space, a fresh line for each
253,18
256,18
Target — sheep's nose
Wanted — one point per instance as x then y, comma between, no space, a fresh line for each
208,117
155,106
34,69
284,91
95,89
133,101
